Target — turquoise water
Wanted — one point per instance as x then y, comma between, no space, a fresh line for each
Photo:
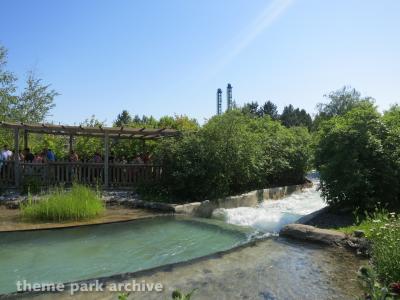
95,251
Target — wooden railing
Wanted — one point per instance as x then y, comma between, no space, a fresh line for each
7,175
54,173
132,174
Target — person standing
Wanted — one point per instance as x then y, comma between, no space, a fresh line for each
50,155
28,156
6,153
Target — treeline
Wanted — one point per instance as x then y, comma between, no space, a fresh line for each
290,117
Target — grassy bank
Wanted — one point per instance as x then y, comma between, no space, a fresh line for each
78,203
383,231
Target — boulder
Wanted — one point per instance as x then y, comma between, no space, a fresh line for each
313,234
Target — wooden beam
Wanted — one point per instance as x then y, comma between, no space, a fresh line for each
25,138
119,132
71,143
16,158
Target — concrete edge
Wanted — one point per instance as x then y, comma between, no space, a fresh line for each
205,208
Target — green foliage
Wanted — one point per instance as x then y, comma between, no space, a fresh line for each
291,117
385,237
123,296
267,109
123,119
178,295
383,231
7,86
77,204
31,185
130,148
88,146
340,102
34,103
374,290
357,155
231,154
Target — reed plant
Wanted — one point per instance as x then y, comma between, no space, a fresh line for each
78,203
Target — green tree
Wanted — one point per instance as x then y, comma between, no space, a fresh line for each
341,101
292,117
250,109
269,109
7,86
35,102
354,157
178,122
123,119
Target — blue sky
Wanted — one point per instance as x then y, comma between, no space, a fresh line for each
165,57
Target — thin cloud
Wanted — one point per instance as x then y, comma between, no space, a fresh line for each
270,14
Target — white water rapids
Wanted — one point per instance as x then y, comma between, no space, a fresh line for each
271,215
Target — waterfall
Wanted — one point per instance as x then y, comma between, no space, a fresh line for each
271,215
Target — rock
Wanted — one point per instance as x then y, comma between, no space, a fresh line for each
188,209
359,233
313,234
12,204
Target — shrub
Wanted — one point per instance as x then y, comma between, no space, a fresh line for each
231,154
76,204
357,155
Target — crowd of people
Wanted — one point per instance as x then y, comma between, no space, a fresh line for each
48,155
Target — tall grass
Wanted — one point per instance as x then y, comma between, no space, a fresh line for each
385,237
383,230
78,203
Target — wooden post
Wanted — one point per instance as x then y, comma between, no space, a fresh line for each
71,142
106,145
16,158
25,139
143,146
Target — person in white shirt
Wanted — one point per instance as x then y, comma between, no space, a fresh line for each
6,154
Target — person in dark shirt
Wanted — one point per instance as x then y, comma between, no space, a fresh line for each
28,156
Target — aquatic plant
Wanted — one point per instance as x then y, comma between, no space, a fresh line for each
78,203
178,295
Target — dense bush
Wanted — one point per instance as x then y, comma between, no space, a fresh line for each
232,153
358,155
79,203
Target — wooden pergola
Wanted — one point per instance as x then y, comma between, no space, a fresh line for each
97,132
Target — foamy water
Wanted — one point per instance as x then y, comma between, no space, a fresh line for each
271,215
